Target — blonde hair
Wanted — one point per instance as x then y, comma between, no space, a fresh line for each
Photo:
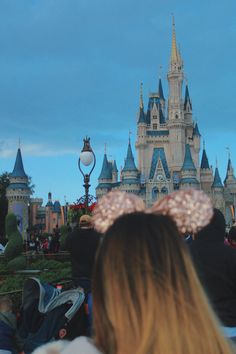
146,295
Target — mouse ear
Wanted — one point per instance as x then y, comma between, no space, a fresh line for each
112,205
190,209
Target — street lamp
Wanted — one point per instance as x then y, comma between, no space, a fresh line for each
87,158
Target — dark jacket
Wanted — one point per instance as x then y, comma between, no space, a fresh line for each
8,339
216,267
82,244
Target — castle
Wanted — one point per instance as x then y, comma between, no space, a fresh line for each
168,148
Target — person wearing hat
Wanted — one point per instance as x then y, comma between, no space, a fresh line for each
82,243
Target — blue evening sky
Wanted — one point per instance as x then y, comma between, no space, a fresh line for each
70,68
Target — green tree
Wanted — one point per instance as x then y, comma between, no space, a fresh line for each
4,183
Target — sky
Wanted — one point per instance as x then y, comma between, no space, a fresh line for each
71,68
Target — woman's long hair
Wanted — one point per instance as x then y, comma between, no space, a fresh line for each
146,295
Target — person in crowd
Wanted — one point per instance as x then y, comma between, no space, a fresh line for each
232,237
45,245
82,243
216,266
9,342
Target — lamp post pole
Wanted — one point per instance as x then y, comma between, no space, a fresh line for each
87,158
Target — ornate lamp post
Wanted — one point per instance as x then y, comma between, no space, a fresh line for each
87,158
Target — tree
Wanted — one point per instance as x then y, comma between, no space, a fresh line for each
4,183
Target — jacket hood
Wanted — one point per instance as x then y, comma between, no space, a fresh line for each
215,231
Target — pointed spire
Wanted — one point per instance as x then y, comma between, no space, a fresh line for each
129,161
114,167
18,170
188,161
204,162
106,170
187,98
174,51
217,180
160,90
142,118
141,96
196,131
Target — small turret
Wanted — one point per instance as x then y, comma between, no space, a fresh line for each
114,172
188,172
130,175
187,107
206,175
218,192
230,180
18,194
141,117
217,183
105,178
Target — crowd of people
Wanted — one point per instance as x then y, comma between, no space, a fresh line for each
157,280
45,243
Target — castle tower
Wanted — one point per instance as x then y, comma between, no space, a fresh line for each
105,178
206,175
230,193
114,172
130,180
18,194
189,172
176,121
218,192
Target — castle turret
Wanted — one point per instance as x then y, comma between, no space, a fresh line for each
105,178
18,194
187,107
230,180
130,174
114,172
161,95
188,172
206,175
218,192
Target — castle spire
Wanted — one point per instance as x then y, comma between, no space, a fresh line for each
129,161
174,51
160,90
141,96
188,160
217,180
141,116
204,161
18,170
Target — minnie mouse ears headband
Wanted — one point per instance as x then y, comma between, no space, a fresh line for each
190,209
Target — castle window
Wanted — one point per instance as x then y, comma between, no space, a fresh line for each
154,117
154,126
155,192
176,116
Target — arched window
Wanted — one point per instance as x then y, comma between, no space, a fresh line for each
164,190
155,193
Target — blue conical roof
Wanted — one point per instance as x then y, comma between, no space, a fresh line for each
217,180
114,167
162,118
160,90
188,161
106,169
204,162
142,117
18,170
187,98
196,130
129,161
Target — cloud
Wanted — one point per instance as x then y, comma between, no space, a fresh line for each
8,149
